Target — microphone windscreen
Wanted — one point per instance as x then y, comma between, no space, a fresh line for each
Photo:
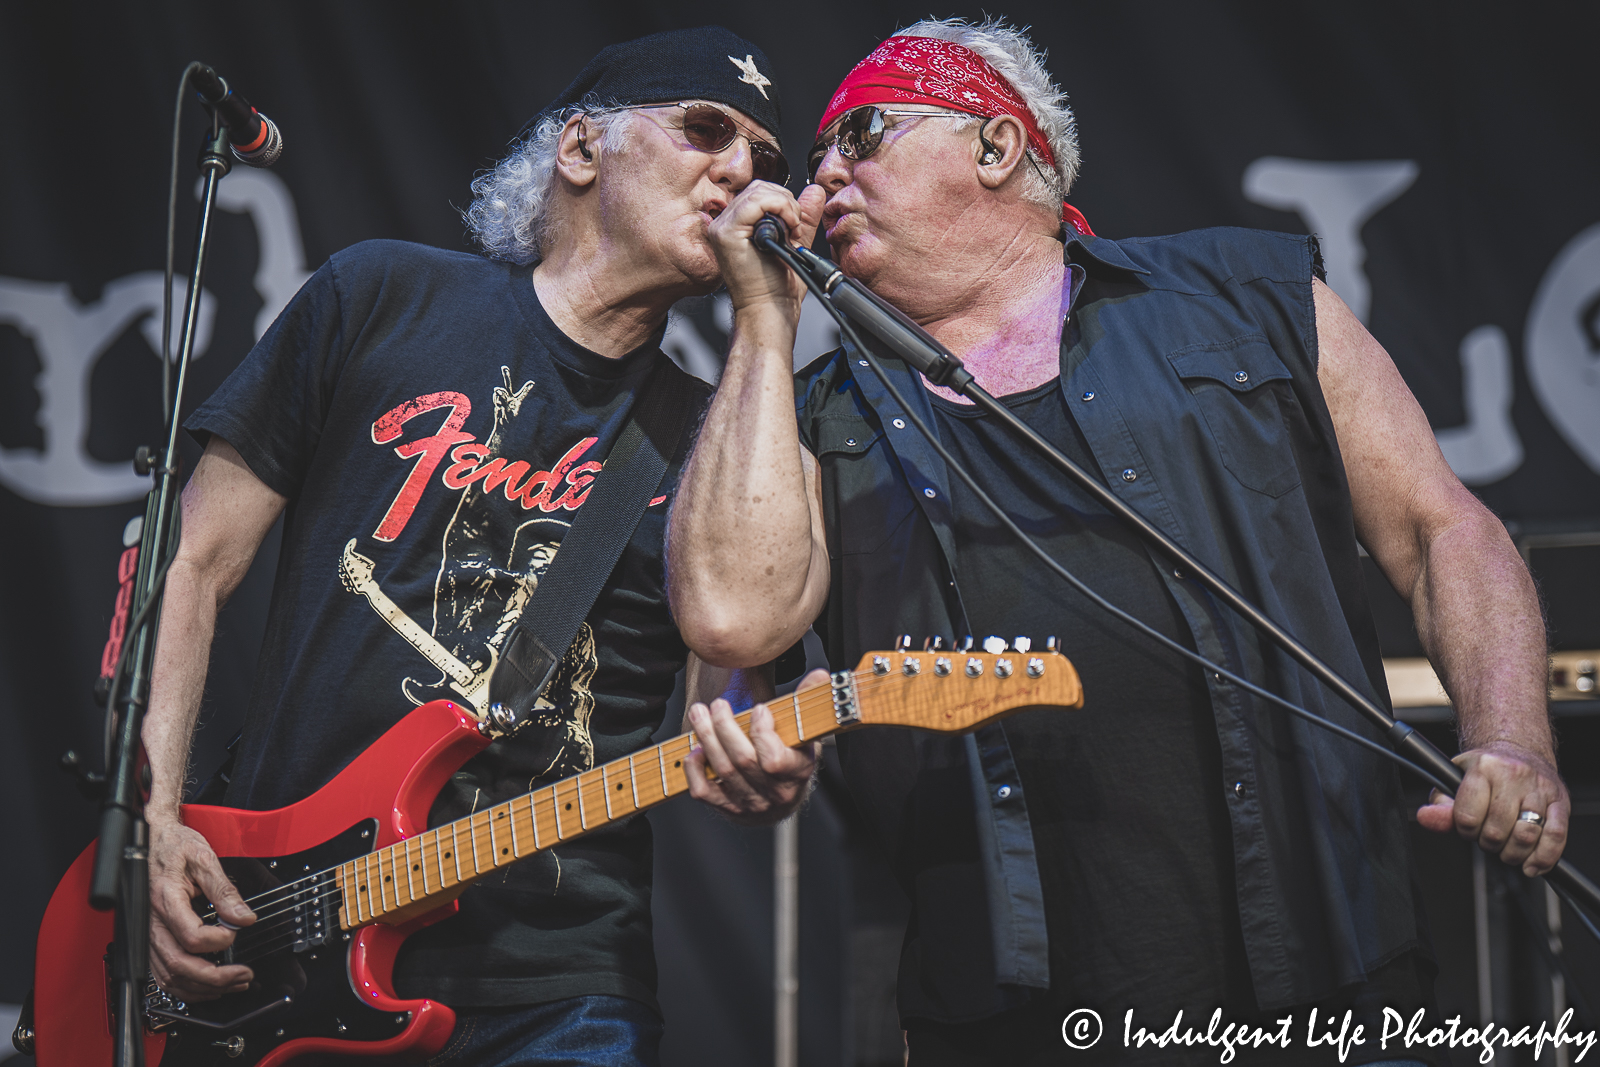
267,152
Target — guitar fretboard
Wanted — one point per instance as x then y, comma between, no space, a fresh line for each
409,876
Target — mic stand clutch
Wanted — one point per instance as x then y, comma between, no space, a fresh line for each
942,367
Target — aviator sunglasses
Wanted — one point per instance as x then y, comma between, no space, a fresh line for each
710,129
860,132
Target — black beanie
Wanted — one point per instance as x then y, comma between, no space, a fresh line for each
707,63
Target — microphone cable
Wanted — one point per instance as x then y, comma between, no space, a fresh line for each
172,240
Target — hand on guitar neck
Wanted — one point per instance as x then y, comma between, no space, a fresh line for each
755,779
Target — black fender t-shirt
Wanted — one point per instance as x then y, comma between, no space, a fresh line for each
436,433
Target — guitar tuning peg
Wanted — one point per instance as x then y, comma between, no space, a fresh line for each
1021,644
994,645
966,644
1052,644
933,644
902,643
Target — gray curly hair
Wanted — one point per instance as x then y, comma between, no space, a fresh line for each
510,214
1009,51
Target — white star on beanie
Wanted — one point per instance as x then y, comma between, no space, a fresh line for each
751,75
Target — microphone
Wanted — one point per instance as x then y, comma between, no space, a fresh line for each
768,232
876,315
254,138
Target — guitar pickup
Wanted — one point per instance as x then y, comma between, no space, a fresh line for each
312,911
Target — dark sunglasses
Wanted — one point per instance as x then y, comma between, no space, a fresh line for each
859,133
710,129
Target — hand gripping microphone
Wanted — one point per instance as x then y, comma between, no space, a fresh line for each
867,309
254,138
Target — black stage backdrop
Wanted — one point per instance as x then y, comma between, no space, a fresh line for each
1447,154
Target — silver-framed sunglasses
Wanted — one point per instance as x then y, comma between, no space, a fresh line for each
860,132
708,128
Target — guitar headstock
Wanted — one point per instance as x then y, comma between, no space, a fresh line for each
953,690
354,569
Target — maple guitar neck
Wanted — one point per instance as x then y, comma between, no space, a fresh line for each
947,691
415,875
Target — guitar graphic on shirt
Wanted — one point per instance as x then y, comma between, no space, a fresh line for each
356,572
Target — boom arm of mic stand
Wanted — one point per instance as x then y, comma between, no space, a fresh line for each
940,366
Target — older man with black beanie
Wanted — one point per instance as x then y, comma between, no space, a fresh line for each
429,424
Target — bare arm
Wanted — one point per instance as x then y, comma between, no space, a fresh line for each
226,513
1475,605
748,561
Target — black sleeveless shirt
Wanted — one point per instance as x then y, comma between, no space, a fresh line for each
1130,875
1127,794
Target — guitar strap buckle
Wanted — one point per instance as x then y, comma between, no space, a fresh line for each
520,677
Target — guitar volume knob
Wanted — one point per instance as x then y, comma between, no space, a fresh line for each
233,1047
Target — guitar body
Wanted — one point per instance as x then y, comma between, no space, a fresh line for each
319,988
339,880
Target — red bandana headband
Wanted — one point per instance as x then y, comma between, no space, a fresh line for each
926,70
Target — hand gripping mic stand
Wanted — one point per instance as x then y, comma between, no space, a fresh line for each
121,877
843,297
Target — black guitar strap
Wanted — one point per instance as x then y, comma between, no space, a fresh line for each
592,545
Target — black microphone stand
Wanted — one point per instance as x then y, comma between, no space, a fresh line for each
121,877
846,297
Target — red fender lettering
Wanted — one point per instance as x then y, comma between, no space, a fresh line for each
430,451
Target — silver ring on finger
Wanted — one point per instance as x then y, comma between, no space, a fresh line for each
1532,816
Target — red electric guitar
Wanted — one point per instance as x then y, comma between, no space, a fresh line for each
339,880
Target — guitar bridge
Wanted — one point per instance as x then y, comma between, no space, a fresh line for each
161,1010
845,711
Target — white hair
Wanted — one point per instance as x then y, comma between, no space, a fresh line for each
510,214
1009,51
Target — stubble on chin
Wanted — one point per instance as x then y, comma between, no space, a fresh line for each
858,256
703,269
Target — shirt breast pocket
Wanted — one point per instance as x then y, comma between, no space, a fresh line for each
1242,390
861,479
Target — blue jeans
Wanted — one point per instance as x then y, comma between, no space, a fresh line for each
591,1031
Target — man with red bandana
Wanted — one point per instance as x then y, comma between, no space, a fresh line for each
1176,845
